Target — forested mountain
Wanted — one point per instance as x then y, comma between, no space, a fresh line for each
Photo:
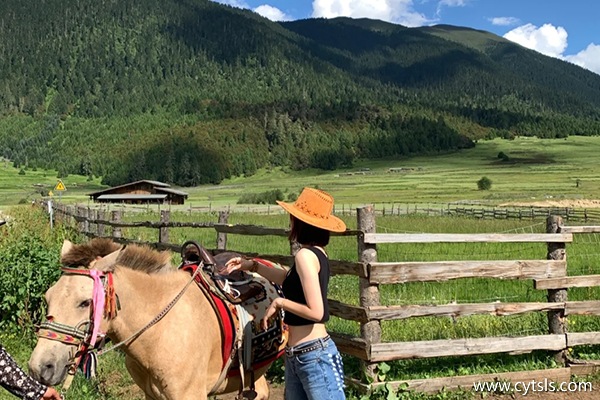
191,91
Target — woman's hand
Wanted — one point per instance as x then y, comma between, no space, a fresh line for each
51,394
237,263
277,303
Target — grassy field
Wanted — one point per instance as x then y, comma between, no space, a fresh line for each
536,170
20,186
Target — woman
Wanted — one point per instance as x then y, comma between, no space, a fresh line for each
13,379
313,365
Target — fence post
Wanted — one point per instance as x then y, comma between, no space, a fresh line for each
163,232
82,223
369,293
93,226
557,322
101,215
116,217
222,236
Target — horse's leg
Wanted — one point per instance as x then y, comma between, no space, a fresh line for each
262,388
140,377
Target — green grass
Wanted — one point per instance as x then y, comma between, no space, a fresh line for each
20,186
112,380
537,169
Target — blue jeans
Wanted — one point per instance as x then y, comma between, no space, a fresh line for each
314,371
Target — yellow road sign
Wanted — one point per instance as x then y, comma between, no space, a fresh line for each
60,186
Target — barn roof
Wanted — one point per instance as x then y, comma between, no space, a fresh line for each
118,197
156,184
172,191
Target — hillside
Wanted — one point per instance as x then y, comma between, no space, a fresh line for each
192,92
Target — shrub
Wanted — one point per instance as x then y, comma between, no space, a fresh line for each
268,197
29,256
484,183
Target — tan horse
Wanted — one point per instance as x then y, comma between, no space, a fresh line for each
178,358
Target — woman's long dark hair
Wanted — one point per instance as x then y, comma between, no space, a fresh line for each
307,234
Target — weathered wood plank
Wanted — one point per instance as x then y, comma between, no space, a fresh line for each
466,382
588,307
340,267
567,282
462,347
251,230
351,345
375,238
456,310
580,229
347,311
587,367
581,338
400,272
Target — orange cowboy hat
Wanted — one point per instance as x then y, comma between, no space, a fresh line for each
314,207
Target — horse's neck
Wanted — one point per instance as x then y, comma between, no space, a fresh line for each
142,297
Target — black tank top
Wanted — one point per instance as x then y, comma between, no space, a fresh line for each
292,289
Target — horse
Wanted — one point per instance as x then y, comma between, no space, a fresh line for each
137,299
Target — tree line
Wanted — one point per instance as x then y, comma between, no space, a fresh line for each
195,92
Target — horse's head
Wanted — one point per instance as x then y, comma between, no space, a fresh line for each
69,324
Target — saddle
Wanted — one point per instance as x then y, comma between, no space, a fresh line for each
240,299
236,287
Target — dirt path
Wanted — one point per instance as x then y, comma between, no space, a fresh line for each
277,394
556,203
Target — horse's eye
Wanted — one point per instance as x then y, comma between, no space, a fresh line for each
85,303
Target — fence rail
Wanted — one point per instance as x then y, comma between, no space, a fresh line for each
474,210
548,274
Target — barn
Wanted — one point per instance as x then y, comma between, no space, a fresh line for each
140,192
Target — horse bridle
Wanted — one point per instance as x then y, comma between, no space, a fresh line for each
86,335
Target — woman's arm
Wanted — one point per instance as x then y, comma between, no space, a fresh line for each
274,275
17,382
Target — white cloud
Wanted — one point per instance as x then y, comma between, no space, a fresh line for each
453,3
547,39
449,3
396,11
267,11
588,58
504,21
234,3
273,13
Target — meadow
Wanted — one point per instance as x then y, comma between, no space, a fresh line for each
535,170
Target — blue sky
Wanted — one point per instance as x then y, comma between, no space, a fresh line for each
569,30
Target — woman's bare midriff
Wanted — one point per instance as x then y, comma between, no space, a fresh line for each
304,333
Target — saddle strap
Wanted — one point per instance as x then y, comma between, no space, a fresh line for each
241,333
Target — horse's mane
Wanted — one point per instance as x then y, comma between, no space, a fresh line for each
82,255
133,256
144,258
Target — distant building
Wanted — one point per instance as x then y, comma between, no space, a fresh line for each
140,192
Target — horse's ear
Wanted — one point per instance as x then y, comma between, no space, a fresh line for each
105,263
66,247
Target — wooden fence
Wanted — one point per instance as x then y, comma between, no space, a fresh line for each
473,210
549,274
